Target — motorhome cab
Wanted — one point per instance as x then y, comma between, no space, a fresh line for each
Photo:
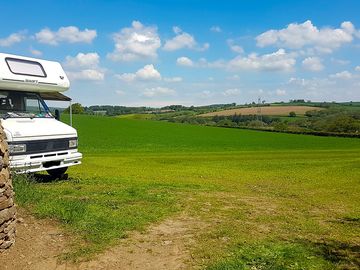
37,140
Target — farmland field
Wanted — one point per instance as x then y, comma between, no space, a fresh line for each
262,200
265,110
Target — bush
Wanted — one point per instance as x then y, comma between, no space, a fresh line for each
292,114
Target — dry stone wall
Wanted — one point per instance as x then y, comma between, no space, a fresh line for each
7,206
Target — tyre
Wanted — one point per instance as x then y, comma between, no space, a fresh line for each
57,173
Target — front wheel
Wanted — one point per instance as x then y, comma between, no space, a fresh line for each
57,173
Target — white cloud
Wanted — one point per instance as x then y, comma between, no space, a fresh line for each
84,66
82,60
158,91
357,68
277,61
126,77
204,47
312,64
215,29
173,79
183,40
120,93
12,39
184,61
340,61
234,47
69,34
280,92
324,89
206,94
35,52
344,75
202,63
232,92
234,77
86,74
147,73
296,36
135,43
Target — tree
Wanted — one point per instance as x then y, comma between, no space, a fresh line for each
292,114
76,108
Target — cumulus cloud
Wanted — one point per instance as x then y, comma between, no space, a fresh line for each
69,34
215,29
277,61
326,88
86,74
84,66
312,64
12,39
234,47
234,77
173,79
357,68
82,60
184,61
120,93
183,40
280,92
35,52
135,43
158,91
340,61
147,73
344,75
206,94
232,92
202,63
297,36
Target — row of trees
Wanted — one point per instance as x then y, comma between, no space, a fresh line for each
330,121
110,110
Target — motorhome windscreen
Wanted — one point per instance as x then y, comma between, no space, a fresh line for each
18,104
25,67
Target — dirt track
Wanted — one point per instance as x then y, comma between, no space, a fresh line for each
163,246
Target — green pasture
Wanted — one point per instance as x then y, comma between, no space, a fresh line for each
267,200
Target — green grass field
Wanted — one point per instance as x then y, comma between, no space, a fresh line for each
270,200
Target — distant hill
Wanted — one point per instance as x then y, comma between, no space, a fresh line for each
265,110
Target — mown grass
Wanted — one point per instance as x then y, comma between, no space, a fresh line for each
271,201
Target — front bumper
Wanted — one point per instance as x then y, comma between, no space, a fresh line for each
44,161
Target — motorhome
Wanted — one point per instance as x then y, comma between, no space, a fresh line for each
37,140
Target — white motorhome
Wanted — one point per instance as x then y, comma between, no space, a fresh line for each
37,140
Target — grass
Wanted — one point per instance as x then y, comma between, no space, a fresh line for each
271,201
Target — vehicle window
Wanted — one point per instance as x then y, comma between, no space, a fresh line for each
15,104
32,105
24,67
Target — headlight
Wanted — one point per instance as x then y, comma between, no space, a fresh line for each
73,143
17,148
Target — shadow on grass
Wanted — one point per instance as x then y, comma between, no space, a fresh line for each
303,254
343,254
46,178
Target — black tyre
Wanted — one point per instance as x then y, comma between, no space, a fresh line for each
57,173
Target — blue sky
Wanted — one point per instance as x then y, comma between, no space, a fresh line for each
156,53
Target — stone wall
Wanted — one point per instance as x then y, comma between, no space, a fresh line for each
7,207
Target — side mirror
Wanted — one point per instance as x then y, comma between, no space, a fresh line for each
57,114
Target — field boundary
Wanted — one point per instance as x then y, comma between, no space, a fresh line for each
265,110
314,133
